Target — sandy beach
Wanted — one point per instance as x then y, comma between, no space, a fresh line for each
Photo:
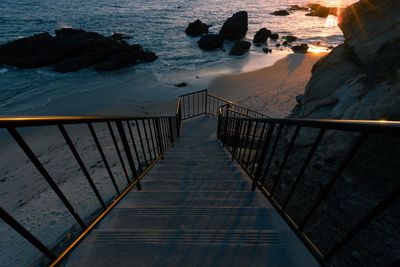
270,90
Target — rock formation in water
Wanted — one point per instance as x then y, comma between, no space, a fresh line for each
235,27
240,48
210,42
72,50
197,28
262,36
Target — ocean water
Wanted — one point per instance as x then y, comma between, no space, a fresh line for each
157,25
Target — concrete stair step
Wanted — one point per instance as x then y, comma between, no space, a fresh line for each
189,248
189,218
190,185
194,198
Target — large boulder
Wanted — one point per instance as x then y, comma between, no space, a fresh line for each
373,27
197,28
280,13
211,42
240,48
302,48
71,50
319,11
235,27
262,36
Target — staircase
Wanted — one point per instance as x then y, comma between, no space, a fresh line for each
195,209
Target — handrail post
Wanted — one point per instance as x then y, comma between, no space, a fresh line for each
226,126
159,138
263,156
171,132
125,143
205,103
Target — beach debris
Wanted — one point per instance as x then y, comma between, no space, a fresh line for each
303,48
181,85
235,27
290,38
261,36
197,28
71,50
120,36
267,50
211,42
240,48
280,13
274,36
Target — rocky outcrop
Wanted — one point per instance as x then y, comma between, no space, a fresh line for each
357,80
280,13
197,28
262,36
210,42
302,48
235,27
72,50
290,38
319,11
240,48
274,36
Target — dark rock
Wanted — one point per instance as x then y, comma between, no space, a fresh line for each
278,45
303,48
299,98
297,8
267,50
211,41
285,43
274,36
181,85
281,13
240,48
197,28
120,36
236,26
72,50
319,11
261,36
290,38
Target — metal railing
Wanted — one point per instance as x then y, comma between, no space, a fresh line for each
273,154
202,103
139,143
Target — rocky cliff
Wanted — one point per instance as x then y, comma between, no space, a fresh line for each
359,79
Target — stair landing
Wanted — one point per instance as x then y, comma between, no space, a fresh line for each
195,209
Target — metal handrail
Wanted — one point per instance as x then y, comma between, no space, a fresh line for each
254,142
139,142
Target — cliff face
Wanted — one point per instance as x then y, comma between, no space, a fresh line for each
361,78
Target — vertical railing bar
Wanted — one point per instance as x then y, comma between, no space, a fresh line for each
156,135
159,135
171,130
7,218
252,144
134,147
103,157
193,95
151,138
81,165
246,136
118,151
258,147
375,212
32,157
235,138
128,153
328,187
304,167
263,155
165,128
183,107
147,140
198,104
296,132
272,153
205,103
